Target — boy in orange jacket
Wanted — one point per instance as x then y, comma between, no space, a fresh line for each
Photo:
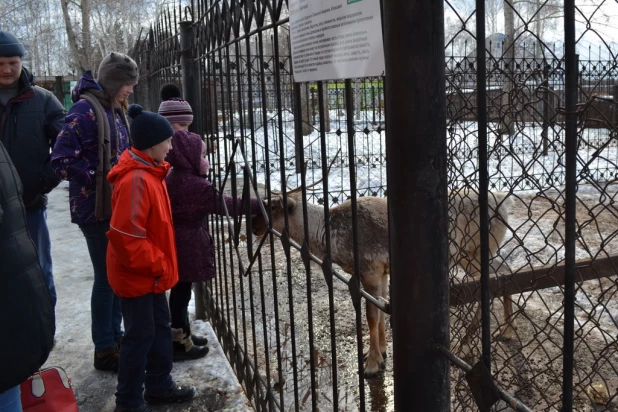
142,265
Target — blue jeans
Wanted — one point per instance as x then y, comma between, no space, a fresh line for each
104,304
36,220
10,401
146,351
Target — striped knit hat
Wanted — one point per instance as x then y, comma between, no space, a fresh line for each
176,110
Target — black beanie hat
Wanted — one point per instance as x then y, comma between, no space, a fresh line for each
115,71
147,128
10,46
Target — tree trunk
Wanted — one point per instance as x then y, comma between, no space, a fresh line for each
79,56
86,35
539,52
326,112
305,107
508,54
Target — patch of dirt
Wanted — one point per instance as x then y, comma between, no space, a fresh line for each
282,314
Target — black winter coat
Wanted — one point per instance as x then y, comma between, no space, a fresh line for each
27,320
29,125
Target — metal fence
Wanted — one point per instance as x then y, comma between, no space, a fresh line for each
536,128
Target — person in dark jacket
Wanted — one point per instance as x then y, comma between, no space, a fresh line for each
27,322
91,141
31,118
192,197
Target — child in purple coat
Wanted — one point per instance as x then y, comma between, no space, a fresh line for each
192,197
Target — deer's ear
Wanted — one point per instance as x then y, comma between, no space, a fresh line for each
276,204
291,204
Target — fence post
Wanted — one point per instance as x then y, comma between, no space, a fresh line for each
417,201
615,97
189,76
59,89
190,91
546,105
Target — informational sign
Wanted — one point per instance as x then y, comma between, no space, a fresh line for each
336,39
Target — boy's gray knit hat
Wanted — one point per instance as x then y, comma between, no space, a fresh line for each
10,46
115,71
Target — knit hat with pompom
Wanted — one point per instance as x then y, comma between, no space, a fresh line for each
173,107
170,91
148,129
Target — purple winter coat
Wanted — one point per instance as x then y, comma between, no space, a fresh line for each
192,198
75,155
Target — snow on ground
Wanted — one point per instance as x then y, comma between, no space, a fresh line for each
214,379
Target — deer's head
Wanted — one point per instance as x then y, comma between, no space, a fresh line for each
276,207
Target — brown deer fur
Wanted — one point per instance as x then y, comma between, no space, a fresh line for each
373,241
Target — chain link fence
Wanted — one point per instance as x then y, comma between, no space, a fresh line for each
294,328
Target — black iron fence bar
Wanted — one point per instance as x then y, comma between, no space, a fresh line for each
279,137
189,91
270,234
233,230
253,180
417,207
286,237
463,365
355,279
481,79
237,355
305,247
326,266
232,166
164,69
224,297
207,9
571,69
250,33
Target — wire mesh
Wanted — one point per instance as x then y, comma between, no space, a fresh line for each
293,328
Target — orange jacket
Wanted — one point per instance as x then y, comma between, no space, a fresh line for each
141,254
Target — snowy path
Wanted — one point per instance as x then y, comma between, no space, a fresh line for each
216,384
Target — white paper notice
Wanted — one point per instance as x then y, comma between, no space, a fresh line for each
336,39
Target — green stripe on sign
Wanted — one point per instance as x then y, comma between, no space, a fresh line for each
353,1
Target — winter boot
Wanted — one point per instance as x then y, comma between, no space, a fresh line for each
197,340
107,360
184,349
177,393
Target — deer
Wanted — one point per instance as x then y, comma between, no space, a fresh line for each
373,247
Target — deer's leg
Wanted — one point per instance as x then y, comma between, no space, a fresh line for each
473,269
382,323
374,361
507,331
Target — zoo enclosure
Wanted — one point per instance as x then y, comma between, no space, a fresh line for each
516,139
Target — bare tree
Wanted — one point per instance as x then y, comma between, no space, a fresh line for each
492,9
38,24
78,32
94,29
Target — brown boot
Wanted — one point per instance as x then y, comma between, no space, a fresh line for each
107,360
